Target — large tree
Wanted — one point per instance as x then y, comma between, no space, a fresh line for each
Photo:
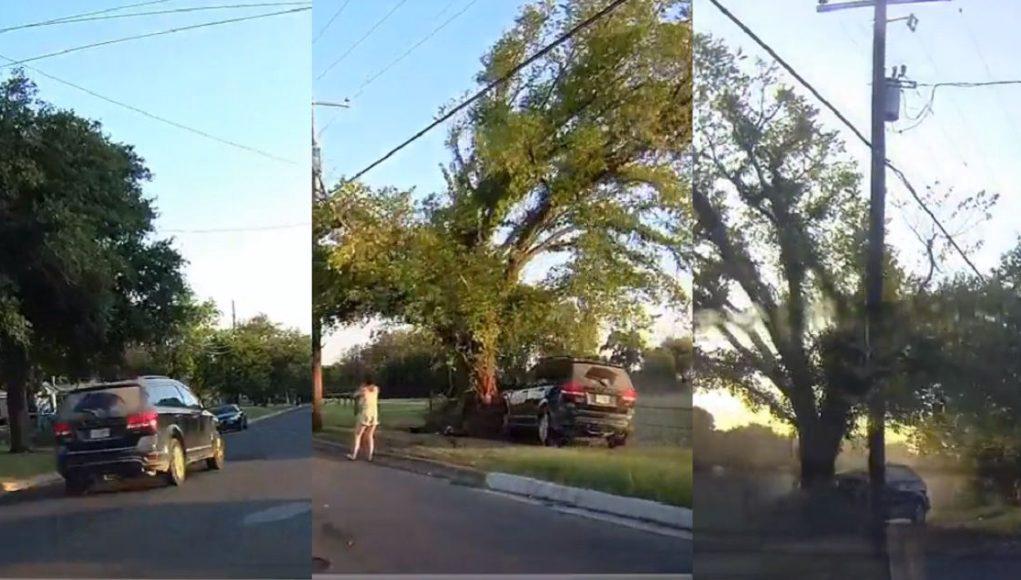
565,193
80,273
781,225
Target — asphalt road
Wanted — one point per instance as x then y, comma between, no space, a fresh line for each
253,519
370,519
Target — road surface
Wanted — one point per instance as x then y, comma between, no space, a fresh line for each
372,519
250,520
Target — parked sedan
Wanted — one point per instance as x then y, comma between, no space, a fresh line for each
230,417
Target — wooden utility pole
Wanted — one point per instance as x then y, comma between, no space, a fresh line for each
874,264
318,195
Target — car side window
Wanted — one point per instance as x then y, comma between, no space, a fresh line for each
165,395
189,398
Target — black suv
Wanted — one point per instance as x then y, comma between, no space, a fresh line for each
146,426
907,496
566,398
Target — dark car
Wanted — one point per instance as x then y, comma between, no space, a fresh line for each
906,496
151,426
567,398
230,417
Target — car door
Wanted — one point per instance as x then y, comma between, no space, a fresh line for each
169,404
194,438
206,421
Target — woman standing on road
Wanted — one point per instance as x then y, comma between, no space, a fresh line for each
367,419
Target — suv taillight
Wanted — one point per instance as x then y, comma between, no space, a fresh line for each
61,430
629,396
573,390
144,422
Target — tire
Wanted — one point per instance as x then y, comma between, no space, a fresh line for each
76,486
544,429
244,425
178,468
614,441
215,463
918,515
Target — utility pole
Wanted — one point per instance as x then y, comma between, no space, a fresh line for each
233,316
876,244
318,195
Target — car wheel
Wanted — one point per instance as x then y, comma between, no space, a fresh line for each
616,441
178,465
918,516
215,463
244,424
544,429
75,486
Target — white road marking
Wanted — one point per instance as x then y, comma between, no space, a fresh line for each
277,513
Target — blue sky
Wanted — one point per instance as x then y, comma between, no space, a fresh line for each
247,82
402,101
971,142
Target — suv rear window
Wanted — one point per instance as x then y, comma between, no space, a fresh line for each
562,370
109,402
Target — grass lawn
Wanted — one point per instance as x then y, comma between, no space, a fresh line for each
662,473
15,466
393,414
1002,519
255,412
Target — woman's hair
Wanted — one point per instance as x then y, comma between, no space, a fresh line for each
367,379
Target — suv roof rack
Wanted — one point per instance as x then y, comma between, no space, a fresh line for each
153,377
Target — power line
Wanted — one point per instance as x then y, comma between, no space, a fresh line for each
238,229
155,117
362,39
84,14
90,18
151,34
506,76
410,50
332,18
900,174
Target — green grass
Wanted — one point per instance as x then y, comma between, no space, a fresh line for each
15,466
658,473
994,519
393,414
256,412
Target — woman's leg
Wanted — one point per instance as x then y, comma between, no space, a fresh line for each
371,435
359,429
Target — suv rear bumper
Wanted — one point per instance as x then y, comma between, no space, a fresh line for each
582,423
123,462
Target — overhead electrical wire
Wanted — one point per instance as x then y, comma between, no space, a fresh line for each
150,35
154,116
90,18
332,18
374,77
81,15
504,78
362,39
857,132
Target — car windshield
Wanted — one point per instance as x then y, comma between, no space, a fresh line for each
224,409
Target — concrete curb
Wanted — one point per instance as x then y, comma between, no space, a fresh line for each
276,413
592,500
11,486
630,508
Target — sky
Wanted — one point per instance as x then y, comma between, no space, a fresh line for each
403,100
246,82
970,143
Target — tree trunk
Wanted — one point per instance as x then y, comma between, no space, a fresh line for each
317,376
818,446
483,376
17,408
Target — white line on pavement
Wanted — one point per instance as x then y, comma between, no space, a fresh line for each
277,513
